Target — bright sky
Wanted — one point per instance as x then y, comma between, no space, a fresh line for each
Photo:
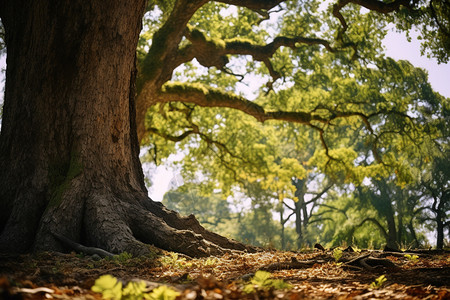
397,47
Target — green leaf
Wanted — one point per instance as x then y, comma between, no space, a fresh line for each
134,290
280,284
337,254
412,258
261,278
109,286
163,293
378,283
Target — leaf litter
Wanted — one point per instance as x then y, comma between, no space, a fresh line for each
293,275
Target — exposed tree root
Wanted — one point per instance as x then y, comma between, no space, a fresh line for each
364,261
174,220
105,224
367,262
293,264
82,249
151,229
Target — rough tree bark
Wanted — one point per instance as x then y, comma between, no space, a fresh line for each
68,147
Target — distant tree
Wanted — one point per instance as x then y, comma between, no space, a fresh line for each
339,217
303,209
209,210
393,211
434,191
254,224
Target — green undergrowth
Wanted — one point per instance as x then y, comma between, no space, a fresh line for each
378,283
111,288
263,281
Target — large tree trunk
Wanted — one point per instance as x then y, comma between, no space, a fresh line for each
68,148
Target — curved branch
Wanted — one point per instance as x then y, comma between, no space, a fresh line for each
160,60
287,218
259,52
337,13
171,137
381,6
321,220
375,222
374,5
288,206
324,144
435,17
334,208
420,209
320,194
208,97
166,54
213,52
202,96
194,130
253,4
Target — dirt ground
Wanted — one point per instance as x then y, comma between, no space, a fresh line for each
311,275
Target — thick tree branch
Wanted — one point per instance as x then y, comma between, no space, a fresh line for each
253,4
213,52
204,97
160,61
374,5
207,97
383,7
435,17
165,54
259,52
169,137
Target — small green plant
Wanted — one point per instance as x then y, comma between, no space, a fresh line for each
174,261
378,283
412,258
123,257
337,254
262,281
210,261
111,288
356,249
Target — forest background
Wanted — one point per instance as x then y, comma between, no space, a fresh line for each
166,177
333,205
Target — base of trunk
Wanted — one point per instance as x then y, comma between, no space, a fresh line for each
119,224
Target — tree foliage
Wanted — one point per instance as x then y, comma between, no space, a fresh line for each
260,94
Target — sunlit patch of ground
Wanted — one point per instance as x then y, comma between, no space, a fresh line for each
71,276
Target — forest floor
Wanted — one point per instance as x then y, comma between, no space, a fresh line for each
309,275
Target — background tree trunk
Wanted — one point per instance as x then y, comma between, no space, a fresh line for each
69,151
